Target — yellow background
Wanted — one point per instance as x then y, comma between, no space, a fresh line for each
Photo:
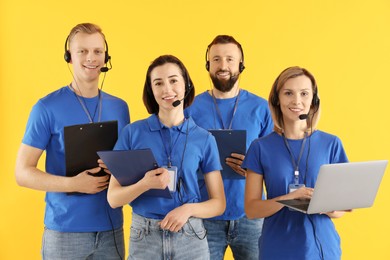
345,44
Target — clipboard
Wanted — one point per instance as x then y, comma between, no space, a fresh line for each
229,141
130,166
83,141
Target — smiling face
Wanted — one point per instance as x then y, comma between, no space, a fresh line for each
87,52
168,85
295,98
224,65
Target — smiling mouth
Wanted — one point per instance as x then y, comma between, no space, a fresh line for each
90,67
169,98
296,110
223,74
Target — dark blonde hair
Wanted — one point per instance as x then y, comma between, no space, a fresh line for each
273,100
88,28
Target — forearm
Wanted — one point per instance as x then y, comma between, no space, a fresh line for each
262,208
33,178
118,196
207,209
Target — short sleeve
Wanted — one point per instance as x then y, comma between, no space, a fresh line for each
252,158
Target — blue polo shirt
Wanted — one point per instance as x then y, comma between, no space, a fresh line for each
196,144
303,236
253,115
45,131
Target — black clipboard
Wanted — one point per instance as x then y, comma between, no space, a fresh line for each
83,141
229,141
130,166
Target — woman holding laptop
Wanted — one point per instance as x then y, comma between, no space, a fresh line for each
165,228
287,162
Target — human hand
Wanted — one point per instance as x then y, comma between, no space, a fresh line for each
176,219
156,179
235,162
103,166
86,182
303,193
337,213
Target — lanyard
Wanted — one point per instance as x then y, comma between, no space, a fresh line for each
169,153
83,105
295,163
219,112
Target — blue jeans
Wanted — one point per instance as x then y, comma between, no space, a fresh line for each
87,245
241,235
149,242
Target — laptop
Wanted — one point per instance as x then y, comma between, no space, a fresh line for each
229,141
342,186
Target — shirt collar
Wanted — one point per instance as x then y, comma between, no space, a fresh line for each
155,124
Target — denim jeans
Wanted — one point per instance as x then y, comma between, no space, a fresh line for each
89,245
149,242
241,235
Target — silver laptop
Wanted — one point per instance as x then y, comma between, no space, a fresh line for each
342,186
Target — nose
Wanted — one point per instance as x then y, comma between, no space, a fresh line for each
91,57
224,64
297,99
167,87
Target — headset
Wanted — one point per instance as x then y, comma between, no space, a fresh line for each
275,99
241,66
68,57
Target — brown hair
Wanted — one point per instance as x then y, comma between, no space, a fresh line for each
148,97
273,100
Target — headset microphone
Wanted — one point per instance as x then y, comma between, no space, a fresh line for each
178,102
105,69
303,116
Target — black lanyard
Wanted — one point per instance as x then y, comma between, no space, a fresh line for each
83,105
219,112
169,150
295,163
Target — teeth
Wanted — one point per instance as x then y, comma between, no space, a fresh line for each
90,67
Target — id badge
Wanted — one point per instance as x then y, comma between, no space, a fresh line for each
293,187
173,177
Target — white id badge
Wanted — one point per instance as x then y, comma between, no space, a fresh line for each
293,187
173,177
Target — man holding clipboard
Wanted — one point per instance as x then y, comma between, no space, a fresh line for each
82,225
226,107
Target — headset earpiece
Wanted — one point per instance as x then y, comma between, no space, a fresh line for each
316,101
67,56
241,67
107,57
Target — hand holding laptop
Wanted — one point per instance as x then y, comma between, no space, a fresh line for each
303,193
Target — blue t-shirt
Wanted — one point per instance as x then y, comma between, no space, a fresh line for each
200,152
45,131
252,115
293,230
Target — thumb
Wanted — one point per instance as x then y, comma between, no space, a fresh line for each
94,170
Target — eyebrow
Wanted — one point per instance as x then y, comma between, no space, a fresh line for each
169,77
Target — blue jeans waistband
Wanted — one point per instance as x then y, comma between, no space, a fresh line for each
154,224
